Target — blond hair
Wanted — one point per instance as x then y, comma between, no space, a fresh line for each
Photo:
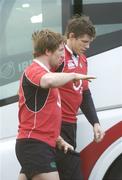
46,40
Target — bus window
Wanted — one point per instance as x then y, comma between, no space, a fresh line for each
106,16
18,20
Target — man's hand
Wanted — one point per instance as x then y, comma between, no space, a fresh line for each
83,77
63,145
98,133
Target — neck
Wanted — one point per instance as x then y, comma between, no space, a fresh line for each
44,60
69,44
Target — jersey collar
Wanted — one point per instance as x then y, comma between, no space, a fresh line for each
68,49
74,58
41,64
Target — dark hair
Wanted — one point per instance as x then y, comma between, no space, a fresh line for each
46,40
80,25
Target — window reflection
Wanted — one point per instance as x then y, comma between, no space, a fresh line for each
18,20
103,14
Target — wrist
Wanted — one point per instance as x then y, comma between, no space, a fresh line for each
96,124
73,76
59,139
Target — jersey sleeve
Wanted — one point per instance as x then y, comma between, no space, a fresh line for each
88,108
34,74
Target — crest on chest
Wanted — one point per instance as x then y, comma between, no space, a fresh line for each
70,64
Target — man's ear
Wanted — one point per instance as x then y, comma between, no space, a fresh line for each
71,35
47,52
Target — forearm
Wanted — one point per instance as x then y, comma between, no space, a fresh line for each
56,79
88,108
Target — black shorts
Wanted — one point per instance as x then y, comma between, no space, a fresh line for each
68,132
35,157
69,165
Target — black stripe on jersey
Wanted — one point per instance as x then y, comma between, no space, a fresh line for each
35,96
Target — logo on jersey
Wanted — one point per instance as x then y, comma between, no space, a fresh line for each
71,64
53,164
77,86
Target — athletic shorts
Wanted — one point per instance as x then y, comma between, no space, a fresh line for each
69,165
35,157
68,132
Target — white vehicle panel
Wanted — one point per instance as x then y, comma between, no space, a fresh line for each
107,88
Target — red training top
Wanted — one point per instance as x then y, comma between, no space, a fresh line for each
71,93
39,108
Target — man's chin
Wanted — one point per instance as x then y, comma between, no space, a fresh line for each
80,53
55,65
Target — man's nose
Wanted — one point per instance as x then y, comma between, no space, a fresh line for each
87,45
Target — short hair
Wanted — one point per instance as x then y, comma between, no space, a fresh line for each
80,25
46,40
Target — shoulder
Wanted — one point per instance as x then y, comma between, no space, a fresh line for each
34,69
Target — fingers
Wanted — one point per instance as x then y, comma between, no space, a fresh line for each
98,133
89,77
98,137
68,147
83,77
63,145
65,149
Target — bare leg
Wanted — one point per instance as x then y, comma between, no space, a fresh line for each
22,177
47,176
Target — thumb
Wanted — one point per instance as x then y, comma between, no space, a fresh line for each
65,149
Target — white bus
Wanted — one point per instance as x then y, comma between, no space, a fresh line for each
18,20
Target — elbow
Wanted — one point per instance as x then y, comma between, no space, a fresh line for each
46,82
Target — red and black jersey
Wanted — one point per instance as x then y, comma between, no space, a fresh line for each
39,108
72,92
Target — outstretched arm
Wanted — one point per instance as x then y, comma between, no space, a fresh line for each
50,80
